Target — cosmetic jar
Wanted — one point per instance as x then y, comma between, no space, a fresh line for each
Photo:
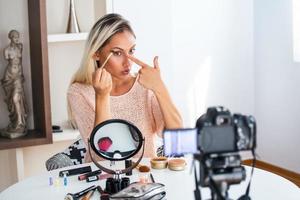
144,177
177,164
159,162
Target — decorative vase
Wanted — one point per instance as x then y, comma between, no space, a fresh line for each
73,26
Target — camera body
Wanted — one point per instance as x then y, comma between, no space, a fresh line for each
217,131
221,132
216,141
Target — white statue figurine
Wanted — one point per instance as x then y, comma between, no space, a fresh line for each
12,83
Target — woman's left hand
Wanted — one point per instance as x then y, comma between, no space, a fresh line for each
149,76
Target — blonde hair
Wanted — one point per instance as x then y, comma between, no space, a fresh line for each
100,34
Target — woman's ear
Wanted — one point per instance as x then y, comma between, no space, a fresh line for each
96,56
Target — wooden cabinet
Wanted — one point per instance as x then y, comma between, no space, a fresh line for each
42,132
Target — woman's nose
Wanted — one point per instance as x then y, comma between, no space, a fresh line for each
127,62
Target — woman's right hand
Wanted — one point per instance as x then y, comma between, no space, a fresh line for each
102,82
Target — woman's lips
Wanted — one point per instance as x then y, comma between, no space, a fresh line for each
125,72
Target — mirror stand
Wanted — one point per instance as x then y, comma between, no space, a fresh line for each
116,172
112,163
116,183
116,140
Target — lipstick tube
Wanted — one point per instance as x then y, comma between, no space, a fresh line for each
84,176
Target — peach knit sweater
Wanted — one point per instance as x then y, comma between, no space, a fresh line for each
138,106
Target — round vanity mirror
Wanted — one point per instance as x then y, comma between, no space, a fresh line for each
116,139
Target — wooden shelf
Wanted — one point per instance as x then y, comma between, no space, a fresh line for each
67,134
42,133
32,138
52,38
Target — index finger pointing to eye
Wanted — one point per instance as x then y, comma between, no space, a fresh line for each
137,61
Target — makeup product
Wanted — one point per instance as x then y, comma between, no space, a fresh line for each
50,180
152,178
57,182
144,177
144,173
75,171
177,164
88,195
125,182
77,195
159,162
84,176
106,60
65,179
103,194
98,177
142,168
128,163
92,178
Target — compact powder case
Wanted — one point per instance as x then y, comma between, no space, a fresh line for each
159,162
177,164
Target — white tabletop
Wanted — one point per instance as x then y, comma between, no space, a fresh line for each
179,185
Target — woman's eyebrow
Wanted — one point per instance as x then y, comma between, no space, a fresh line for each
121,48
117,48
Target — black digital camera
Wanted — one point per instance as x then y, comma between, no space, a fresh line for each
216,142
217,131
221,132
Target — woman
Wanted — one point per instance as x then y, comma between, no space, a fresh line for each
103,88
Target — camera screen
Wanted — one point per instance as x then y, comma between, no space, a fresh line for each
180,141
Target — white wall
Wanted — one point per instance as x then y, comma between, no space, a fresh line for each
34,159
212,56
205,50
277,84
7,168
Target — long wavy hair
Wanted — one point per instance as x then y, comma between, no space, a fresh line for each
101,33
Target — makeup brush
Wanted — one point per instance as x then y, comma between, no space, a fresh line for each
152,178
104,63
88,195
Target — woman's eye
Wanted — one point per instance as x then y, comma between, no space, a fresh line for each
131,51
117,53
